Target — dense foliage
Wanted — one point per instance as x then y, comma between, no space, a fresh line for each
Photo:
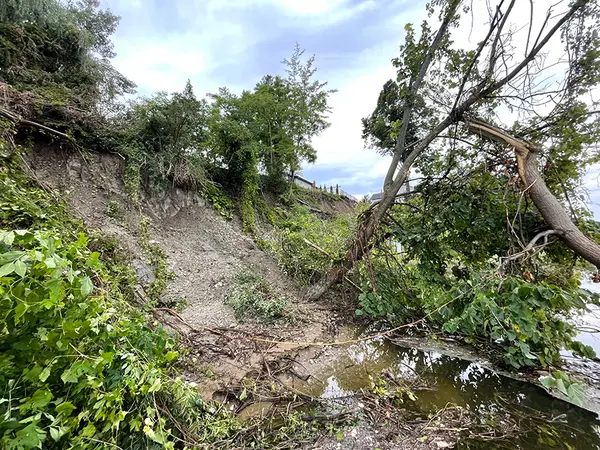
80,367
55,62
296,228
61,50
469,249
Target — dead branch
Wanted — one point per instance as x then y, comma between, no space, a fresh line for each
414,89
544,234
15,118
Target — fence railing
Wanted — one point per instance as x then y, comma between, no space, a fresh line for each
332,189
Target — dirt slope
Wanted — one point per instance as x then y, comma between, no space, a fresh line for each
204,250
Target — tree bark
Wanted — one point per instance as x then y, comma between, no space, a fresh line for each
553,212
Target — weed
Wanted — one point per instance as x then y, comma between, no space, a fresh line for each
157,258
218,200
115,210
252,297
301,260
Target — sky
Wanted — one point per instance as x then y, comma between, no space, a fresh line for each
160,44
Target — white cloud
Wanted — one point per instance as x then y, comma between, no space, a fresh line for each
341,145
310,7
220,32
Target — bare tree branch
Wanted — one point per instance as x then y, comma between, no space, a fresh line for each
414,88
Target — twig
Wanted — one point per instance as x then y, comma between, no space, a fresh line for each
319,249
333,416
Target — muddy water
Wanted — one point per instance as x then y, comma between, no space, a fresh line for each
464,383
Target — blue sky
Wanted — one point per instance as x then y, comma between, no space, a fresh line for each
161,43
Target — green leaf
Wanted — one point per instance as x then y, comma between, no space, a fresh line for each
65,408
576,393
58,432
20,268
560,385
69,376
7,237
45,374
29,437
11,256
50,263
89,430
7,269
171,355
38,400
86,286
20,310
156,386
547,382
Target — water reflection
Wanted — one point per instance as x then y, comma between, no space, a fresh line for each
466,384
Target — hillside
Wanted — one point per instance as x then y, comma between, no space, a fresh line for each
204,251
168,280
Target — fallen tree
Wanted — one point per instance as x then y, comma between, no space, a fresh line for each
433,102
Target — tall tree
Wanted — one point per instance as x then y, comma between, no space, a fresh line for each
310,103
60,51
467,88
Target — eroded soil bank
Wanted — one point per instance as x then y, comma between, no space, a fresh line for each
365,394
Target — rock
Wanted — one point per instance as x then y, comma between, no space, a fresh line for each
143,271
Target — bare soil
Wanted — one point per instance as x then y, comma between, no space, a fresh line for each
204,250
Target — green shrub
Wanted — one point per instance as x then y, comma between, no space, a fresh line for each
218,200
252,297
158,260
75,358
523,323
115,210
300,259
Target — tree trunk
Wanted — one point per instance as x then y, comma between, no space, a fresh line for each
369,224
366,228
545,201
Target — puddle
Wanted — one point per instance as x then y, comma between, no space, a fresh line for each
464,383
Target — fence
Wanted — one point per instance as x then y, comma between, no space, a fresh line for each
300,181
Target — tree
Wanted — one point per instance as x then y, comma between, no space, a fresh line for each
170,135
268,129
468,87
309,102
61,52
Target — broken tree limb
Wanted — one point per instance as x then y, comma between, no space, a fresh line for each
310,208
545,201
544,234
316,247
319,249
394,179
20,120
